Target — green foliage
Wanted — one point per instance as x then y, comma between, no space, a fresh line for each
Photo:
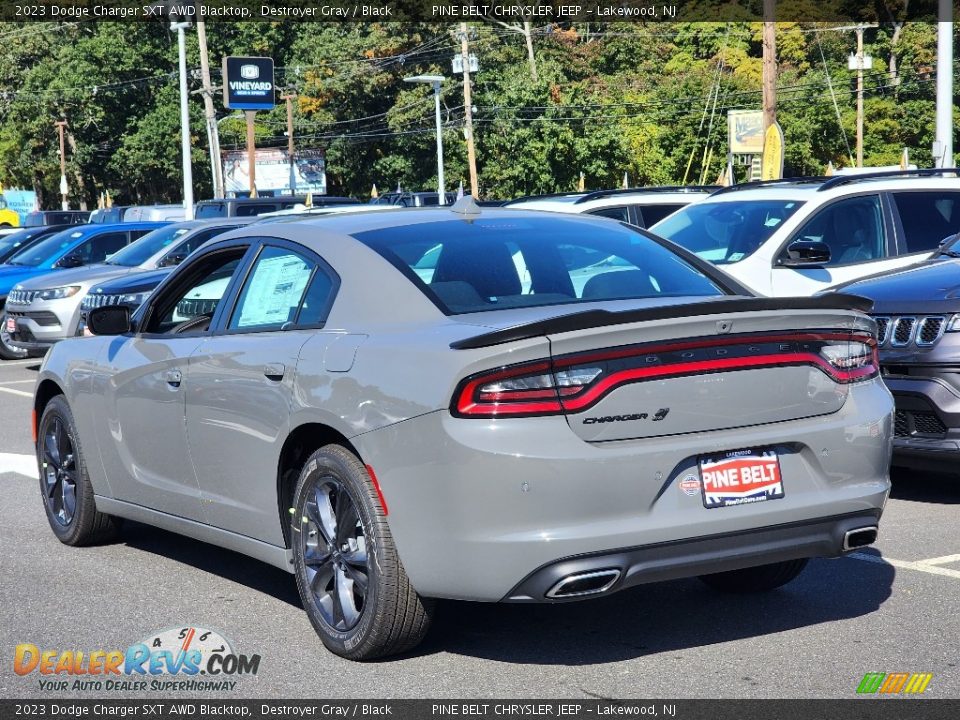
646,99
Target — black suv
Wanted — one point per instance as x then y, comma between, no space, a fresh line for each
249,207
917,310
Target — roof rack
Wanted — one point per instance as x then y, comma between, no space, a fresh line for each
767,183
544,196
597,194
838,180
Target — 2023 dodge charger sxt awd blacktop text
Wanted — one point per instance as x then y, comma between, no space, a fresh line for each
495,405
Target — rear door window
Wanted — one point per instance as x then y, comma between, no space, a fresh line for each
927,218
621,213
273,291
251,209
97,248
653,214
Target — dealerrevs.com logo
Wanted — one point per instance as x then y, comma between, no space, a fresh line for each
184,658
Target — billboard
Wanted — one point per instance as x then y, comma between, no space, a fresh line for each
745,132
248,83
273,172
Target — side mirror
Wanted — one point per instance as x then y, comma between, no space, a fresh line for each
69,261
806,254
172,260
109,320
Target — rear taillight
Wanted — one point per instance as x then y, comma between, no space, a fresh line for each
572,383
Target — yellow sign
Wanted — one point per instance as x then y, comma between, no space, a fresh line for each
771,167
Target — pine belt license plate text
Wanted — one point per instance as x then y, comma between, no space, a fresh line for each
11,325
740,477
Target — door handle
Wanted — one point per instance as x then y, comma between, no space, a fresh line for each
274,371
174,378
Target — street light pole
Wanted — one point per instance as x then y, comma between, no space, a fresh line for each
435,81
944,131
184,120
64,205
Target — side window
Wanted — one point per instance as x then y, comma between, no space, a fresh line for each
927,218
316,303
653,214
189,305
273,290
97,248
137,234
851,228
621,213
252,209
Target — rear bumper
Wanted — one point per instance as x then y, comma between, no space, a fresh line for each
697,556
927,428
476,507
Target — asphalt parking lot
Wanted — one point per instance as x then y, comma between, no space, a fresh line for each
893,608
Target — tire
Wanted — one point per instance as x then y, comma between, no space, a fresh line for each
7,351
762,578
385,618
62,464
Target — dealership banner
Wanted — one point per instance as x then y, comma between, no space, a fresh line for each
539,11
273,172
893,709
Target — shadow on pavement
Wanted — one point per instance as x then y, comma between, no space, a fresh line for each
656,618
648,619
225,563
924,486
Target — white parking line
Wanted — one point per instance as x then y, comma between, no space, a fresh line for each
921,565
18,463
16,382
11,363
21,393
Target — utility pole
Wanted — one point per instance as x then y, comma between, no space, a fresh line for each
60,125
289,98
210,113
468,111
769,65
251,116
943,147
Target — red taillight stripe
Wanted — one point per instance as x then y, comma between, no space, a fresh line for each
471,402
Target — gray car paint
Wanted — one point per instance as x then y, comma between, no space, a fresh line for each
474,505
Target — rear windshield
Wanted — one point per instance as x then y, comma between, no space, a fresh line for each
13,242
519,262
726,232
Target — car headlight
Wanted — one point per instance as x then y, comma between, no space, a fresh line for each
134,298
953,324
58,293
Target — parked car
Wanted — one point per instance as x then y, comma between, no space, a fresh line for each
128,290
56,217
9,218
41,320
802,235
638,206
246,207
414,199
70,248
917,310
23,238
391,441
112,214
137,213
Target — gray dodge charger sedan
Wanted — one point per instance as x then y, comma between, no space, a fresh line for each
475,403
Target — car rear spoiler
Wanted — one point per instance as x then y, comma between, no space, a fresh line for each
600,318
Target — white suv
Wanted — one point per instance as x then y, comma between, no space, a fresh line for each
799,236
638,206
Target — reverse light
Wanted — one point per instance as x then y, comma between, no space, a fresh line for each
58,293
575,382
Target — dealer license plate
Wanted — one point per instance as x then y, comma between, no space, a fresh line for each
740,477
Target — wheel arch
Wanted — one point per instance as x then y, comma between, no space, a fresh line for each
46,391
302,442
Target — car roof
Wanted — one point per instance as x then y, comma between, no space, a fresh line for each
828,187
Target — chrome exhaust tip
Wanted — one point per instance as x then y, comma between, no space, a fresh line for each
859,537
584,583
